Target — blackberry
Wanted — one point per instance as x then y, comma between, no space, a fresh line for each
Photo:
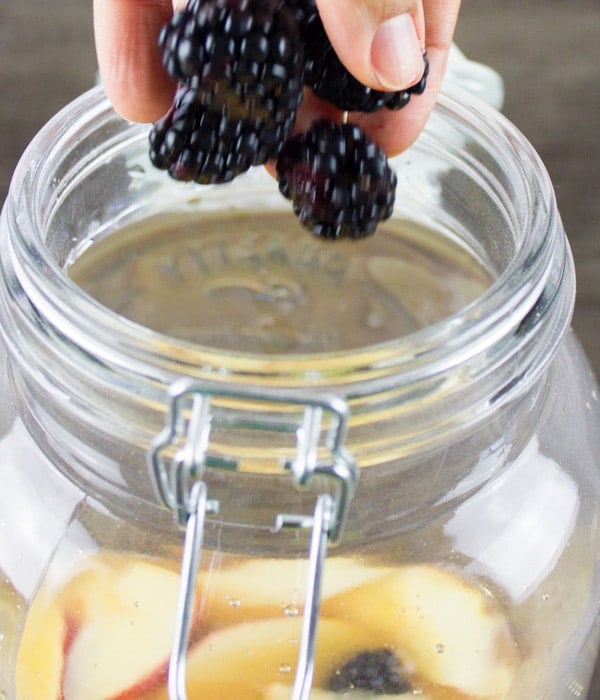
325,74
338,180
194,143
377,671
239,66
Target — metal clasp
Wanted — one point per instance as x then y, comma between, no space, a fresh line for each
180,485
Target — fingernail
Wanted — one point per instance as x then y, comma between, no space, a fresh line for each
396,53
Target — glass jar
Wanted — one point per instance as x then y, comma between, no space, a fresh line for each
366,467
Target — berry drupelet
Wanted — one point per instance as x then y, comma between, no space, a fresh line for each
239,64
339,181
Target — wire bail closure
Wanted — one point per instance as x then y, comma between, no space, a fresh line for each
179,484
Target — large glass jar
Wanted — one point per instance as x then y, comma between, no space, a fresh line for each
381,456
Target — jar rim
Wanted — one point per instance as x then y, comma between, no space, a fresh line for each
493,315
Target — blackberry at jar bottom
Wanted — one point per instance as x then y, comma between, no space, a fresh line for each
381,455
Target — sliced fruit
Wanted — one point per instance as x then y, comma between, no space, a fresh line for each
89,592
276,587
440,625
40,660
124,652
264,652
284,692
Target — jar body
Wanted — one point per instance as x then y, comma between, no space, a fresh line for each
471,546
526,543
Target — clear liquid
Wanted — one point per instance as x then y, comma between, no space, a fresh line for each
257,282
106,632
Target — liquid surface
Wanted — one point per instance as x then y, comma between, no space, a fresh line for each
257,282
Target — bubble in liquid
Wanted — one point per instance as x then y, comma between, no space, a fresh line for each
291,611
575,688
137,171
545,596
235,603
376,320
439,648
285,668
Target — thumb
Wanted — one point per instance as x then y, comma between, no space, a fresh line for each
380,42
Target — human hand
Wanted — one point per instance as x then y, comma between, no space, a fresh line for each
366,35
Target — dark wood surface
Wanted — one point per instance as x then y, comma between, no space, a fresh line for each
548,52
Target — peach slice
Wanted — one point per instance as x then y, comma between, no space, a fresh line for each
51,627
284,692
275,587
89,592
40,660
438,624
263,652
124,651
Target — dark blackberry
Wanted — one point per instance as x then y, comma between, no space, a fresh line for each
377,671
302,10
196,143
239,64
325,74
339,181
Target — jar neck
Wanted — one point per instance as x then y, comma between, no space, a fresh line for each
93,387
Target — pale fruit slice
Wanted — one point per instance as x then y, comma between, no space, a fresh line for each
224,691
284,692
89,593
40,659
274,587
124,652
264,652
445,629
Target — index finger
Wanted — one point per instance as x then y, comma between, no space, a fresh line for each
126,35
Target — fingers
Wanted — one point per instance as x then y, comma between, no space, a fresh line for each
129,61
396,131
380,42
366,40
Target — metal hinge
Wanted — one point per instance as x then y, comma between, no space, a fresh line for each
180,485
